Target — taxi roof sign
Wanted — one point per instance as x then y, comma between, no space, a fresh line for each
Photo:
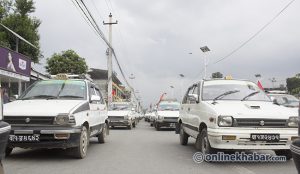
228,77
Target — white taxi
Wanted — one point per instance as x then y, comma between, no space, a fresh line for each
58,113
122,114
237,115
167,114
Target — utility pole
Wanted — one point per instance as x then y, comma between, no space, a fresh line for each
109,60
204,50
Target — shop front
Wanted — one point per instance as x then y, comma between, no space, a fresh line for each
15,70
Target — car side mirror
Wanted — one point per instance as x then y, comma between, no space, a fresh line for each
95,98
193,98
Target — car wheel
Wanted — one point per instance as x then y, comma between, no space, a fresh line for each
129,126
183,136
202,143
157,127
81,150
8,151
151,124
286,153
102,135
133,125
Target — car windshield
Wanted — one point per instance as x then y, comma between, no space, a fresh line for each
119,106
169,107
286,100
56,89
243,91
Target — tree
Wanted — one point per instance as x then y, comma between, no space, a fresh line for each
293,85
16,17
66,62
217,75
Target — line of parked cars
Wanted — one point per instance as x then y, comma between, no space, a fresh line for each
227,114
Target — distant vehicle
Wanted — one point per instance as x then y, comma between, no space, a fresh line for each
4,133
286,100
147,116
153,117
63,112
235,115
167,114
122,114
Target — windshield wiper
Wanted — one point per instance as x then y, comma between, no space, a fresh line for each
250,95
224,94
70,96
40,97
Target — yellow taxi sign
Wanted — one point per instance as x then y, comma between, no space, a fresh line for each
228,77
61,77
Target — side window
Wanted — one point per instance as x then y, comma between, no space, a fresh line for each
190,91
196,90
100,95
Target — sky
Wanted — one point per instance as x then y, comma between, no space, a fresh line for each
159,39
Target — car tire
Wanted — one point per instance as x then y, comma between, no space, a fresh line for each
183,136
102,135
151,124
129,126
81,150
286,153
133,125
202,143
157,127
8,151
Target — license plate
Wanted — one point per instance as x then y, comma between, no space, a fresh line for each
24,138
265,137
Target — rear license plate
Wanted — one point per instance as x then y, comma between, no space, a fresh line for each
24,138
265,137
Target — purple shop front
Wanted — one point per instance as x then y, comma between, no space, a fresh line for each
14,65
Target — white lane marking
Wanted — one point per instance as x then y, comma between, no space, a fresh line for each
243,170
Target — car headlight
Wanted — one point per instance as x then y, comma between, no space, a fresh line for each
62,119
126,117
160,117
293,122
225,121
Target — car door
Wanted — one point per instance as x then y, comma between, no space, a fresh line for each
186,111
94,116
102,107
194,118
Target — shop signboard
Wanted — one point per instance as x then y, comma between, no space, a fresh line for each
14,62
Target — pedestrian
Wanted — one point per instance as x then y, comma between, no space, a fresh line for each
5,96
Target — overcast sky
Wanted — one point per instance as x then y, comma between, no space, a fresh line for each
154,38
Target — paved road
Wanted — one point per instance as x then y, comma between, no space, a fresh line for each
139,151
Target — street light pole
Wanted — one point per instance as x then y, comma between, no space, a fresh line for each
181,85
109,61
172,88
204,50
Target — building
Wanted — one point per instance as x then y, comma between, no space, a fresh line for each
99,76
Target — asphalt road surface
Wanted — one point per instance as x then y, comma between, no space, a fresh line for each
139,151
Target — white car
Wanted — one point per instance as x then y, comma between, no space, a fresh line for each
122,114
167,114
58,113
235,115
286,100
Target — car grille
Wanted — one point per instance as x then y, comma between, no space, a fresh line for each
23,120
112,118
244,122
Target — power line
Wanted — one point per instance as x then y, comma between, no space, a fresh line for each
257,33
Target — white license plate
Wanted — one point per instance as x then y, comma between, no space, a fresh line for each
265,137
24,138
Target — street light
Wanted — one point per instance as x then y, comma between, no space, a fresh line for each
204,50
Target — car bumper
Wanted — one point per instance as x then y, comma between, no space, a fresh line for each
120,123
166,123
48,137
243,141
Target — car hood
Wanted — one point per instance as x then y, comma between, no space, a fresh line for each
168,113
117,113
251,109
40,107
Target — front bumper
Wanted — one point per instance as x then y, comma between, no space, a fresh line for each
47,137
120,123
243,141
167,122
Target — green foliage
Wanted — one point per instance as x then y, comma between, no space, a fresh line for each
217,75
66,62
293,84
17,18
295,91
